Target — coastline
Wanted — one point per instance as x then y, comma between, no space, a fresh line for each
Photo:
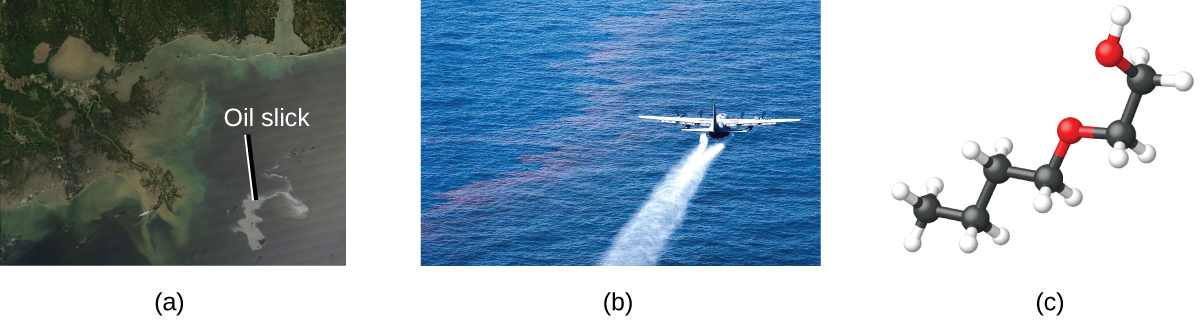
185,70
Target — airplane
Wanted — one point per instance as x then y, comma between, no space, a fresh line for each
718,126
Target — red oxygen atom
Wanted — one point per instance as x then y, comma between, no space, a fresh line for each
1109,52
1068,130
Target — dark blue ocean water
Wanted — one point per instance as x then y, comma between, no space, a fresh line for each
532,152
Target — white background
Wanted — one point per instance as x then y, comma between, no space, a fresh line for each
904,85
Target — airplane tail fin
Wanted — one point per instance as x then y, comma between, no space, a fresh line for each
714,112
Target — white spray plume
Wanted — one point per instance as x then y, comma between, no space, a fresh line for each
642,240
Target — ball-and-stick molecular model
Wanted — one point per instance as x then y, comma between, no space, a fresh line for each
997,169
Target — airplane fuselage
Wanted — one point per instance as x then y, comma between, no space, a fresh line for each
719,130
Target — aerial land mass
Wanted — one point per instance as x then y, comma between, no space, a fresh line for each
60,129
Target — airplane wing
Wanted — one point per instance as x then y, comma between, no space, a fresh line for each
681,120
755,122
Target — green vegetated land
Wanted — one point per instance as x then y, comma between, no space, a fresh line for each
54,126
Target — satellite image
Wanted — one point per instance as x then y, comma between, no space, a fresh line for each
115,148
